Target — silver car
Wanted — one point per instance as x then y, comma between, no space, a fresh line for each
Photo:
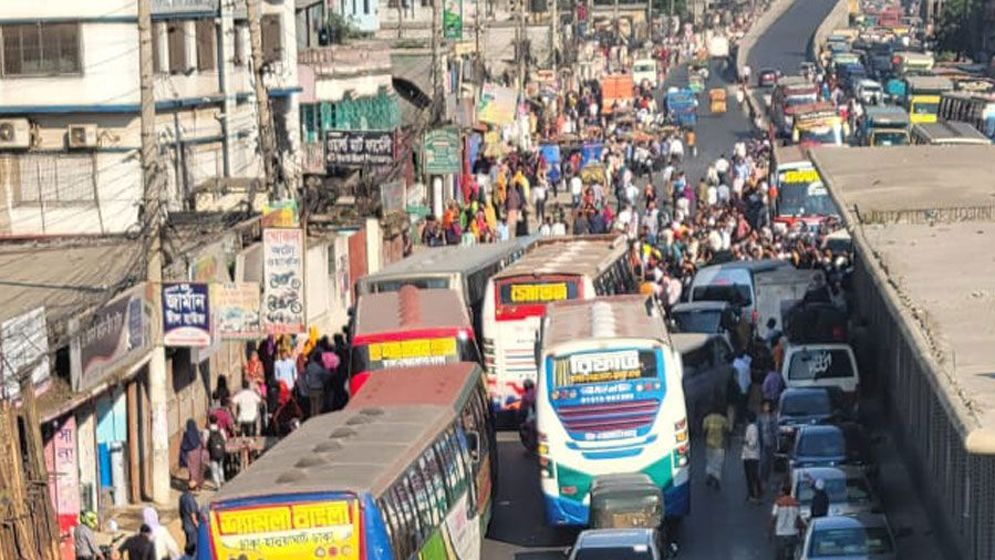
861,537
849,490
616,544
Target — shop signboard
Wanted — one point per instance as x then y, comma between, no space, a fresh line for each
236,310
186,315
23,351
497,104
281,214
283,277
452,20
359,148
442,151
116,335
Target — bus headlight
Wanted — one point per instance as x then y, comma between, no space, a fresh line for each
682,436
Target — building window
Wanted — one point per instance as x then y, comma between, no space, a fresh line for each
393,4
176,40
53,179
366,7
272,38
41,49
207,50
241,33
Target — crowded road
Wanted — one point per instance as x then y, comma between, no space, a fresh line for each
722,523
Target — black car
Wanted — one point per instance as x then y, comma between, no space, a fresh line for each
767,78
801,406
828,445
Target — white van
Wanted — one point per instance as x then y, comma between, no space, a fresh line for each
644,69
833,366
732,282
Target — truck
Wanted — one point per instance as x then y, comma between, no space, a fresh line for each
922,97
782,289
682,107
801,196
884,125
617,90
818,124
790,93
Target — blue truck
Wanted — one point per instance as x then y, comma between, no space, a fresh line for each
682,107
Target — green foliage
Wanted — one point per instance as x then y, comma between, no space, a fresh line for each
340,29
957,26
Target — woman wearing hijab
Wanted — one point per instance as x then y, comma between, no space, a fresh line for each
192,454
165,545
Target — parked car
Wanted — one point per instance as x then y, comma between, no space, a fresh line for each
861,537
828,445
707,317
833,366
616,544
850,492
707,365
801,406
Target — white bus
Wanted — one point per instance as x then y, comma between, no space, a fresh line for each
555,269
462,269
609,400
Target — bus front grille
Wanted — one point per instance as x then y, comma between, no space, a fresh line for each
608,417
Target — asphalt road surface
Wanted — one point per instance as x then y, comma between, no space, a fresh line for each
722,524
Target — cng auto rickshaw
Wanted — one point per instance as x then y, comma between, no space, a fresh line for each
629,501
717,100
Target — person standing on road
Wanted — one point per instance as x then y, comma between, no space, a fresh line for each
785,523
767,423
716,428
247,403
189,518
773,385
820,499
751,459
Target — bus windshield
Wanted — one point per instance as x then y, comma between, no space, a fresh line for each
823,136
804,200
925,108
893,138
420,283
415,351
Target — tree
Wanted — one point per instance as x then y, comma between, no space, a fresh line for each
957,27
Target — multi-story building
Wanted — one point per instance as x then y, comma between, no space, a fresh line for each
69,106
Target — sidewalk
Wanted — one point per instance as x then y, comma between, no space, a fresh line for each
129,517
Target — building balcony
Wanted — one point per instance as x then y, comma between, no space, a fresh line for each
343,61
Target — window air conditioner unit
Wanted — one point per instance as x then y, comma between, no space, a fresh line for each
82,136
15,134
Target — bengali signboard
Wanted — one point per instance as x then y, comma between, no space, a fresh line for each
497,104
24,351
281,214
442,151
236,310
117,334
283,277
357,148
186,315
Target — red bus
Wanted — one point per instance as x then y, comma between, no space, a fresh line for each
409,328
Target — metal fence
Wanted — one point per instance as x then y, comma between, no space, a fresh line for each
956,486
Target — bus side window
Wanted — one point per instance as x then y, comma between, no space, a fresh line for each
437,486
419,491
393,522
406,507
447,462
455,461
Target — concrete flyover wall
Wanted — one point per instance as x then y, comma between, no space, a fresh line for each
775,11
838,17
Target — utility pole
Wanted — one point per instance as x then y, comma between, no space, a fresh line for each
438,93
267,138
153,216
476,38
522,53
554,28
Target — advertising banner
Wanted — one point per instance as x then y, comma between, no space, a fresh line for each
497,104
452,20
281,214
442,151
24,351
117,334
186,315
355,148
236,310
283,276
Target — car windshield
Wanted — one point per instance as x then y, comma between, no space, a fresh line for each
805,404
898,138
615,553
850,542
705,321
812,365
850,490
736,294
823,443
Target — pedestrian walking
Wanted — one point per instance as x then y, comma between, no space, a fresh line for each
716,428
216,451
773,385
786,523
247,403
138,546
189,517
750,455
767,423
193,455
162,540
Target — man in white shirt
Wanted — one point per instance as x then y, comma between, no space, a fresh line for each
576,189
246,404
785,521
677,149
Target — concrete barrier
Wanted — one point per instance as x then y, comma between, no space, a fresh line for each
775,11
